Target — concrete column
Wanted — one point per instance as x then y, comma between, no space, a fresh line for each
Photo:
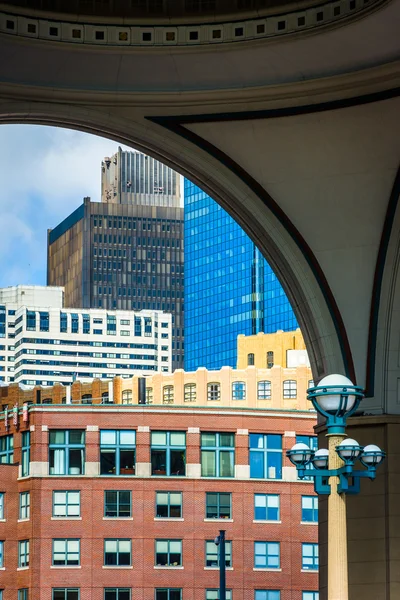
337,530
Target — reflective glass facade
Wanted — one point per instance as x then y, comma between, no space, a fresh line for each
229,287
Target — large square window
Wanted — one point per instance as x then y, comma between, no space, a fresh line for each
117,552
67,452
7,449
118,503
169,505
168,594
267,595
117,593
66,552
65,594
117,452
214,594
266,507
218,505
309,509
212,554
66,503
217,455
168,453
168,553
238,390
267,555
265,456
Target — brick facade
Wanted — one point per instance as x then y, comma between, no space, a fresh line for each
143,528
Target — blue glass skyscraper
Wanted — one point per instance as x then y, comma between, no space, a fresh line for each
229,287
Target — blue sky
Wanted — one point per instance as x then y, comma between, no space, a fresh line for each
44,172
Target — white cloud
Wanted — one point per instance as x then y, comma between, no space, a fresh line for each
44,174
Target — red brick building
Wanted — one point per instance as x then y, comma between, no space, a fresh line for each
119,502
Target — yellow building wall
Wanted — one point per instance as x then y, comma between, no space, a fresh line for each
278,343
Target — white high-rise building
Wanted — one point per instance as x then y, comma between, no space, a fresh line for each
42,343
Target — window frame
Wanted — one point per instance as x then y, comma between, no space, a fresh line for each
168,448
213,388
67,504
117,540
267,508
276,596
315,594
8,452
218,506
168,540
23,554
267,454
314,509
267,555
250,359
1,554
118,447
218,449
270,359
24,507
66,552
67,447
23,594
118,504
168,505
216,590
117,590
314,557
126,398
238,390
289,388
168,394
168,590
25,453
189,392
2,506
215,551
66,591
264,389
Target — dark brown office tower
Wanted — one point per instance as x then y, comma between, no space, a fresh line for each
121,256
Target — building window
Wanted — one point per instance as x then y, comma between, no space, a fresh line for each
44,321
74,323
309,557
66,503
66,553
238,390
290,388
310,385
217,454
86,323
117,452
23,553
312,442
263,390
168,553
250,360
67,452
117,553
65,594
117,503
105,398
266,507
270,359
7,449
267,555
265,456
212,554
149,395
30,320
218,505
127,397
168,394
267,595
169,505
24,505
63,323
213,391
168,453
87,399
214,594
190,392
309,509
1,506
23,594
168,594
117,593
310,596
1,554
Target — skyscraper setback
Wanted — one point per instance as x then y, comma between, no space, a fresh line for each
125,252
